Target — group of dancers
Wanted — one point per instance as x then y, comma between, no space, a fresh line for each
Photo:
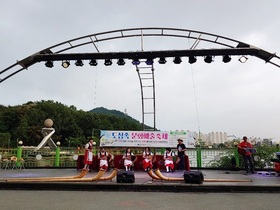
168,157
129,159
106,158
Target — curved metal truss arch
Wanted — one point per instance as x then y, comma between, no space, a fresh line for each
227,47
57,52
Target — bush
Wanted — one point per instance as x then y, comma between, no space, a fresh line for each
262,159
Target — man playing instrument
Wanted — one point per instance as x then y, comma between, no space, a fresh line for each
247,155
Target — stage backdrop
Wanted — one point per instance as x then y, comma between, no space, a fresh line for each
160,139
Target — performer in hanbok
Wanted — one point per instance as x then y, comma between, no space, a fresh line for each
129,159
88,154
168,160
103,159
147,159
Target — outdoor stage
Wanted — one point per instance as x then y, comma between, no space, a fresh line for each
143,182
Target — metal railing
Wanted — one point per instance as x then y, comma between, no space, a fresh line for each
46,157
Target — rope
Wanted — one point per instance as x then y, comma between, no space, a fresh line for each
95,88
194,92
95,81
195,101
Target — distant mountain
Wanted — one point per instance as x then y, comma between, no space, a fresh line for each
102,110
116,113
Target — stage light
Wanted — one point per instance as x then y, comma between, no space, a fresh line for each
121,62
208,59
192,59
79,63
162,60
243,59
177,60
108,62
136,61
65,64
149,61
93,62
226,58
49,64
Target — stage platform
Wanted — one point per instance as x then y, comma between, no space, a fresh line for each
222,181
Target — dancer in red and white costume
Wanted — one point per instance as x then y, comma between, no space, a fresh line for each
129,159
103,159
88,154
147,159
168,160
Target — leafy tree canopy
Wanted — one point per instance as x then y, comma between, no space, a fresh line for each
72,127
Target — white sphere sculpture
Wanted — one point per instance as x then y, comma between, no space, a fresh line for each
48,123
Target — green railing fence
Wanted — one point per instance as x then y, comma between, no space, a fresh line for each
67,157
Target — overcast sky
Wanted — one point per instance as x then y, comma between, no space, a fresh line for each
240,99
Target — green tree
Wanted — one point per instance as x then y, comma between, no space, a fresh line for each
25,122
4,139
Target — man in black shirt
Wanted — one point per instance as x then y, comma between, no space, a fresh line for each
181,148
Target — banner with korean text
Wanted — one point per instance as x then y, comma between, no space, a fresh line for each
188,138
160,139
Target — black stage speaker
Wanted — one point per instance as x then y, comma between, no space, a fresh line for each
125,177
193,177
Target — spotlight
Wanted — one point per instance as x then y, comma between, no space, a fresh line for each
208,59
93,62
65,64
136,61
149,61
49,64
243,59
108,62
177,60
162,60
121,62
79,63
226,58
192,59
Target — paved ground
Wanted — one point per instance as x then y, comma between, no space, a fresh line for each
259,192
215,181
85,200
